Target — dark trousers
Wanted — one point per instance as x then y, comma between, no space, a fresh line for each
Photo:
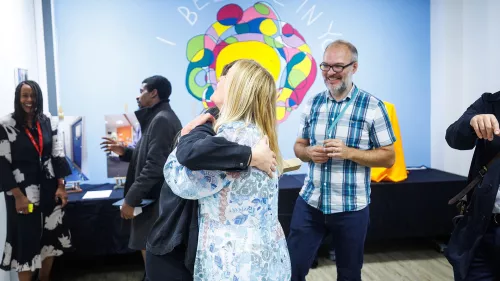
168,267
485,266
307,229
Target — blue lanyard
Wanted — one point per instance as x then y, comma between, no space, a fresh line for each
332,125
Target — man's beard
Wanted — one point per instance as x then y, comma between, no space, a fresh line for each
336,91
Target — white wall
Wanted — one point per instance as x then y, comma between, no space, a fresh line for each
464,64
21,33
22,46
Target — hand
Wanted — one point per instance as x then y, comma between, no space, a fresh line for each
110,144
22,203
336,149
317,154
263,158
127,212
62,195
485,126
200,120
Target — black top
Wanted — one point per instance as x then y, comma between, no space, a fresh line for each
20,163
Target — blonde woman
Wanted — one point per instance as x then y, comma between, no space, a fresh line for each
240,236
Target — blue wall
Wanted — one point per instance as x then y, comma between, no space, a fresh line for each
106,48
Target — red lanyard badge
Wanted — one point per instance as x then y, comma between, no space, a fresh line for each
39,146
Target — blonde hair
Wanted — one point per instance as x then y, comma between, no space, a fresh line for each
252,99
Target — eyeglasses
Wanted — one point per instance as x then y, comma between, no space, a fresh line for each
336,67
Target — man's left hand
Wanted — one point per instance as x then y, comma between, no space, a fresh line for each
127,212
336,149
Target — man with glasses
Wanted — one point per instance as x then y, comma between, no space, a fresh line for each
344,131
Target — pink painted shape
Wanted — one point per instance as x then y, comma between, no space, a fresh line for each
301,90
287,29
290,52
209,42
249,14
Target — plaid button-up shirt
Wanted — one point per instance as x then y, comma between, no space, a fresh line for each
343,185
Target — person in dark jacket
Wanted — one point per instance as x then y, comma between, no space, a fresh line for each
173,240
159,126
474,248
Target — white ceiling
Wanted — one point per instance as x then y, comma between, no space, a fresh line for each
118,120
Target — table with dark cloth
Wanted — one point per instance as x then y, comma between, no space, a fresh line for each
414,208
95,224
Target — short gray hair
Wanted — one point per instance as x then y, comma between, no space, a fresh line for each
349,45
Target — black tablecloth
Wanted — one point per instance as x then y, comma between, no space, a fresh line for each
416,207
95,224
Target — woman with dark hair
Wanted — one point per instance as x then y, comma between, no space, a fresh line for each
33,167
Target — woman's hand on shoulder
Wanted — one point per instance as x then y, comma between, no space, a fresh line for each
263,158
200,120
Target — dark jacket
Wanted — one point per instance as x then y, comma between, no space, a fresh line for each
460,135
178,221
144,180
199,152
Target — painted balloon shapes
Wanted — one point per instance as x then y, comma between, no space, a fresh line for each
255,33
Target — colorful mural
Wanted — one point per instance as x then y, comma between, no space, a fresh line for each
255,33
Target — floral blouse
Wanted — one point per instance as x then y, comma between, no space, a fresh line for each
240,236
